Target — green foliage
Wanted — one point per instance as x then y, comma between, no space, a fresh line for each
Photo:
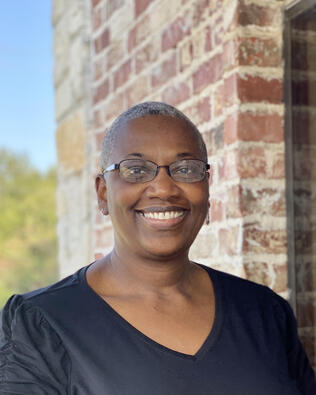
28,244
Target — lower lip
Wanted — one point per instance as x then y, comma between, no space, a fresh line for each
162,223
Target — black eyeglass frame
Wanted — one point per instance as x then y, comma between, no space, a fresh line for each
116,166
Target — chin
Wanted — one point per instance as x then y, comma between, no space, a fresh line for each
162,251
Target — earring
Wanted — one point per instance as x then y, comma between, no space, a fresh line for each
103,211
207,219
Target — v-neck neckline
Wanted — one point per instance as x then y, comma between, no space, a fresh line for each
208,342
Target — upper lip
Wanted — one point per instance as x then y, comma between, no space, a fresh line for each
160,209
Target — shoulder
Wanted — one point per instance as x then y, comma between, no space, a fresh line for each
247,296
33,308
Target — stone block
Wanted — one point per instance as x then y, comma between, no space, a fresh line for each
58,10
70,138
63,98
76,17
61,45
78,55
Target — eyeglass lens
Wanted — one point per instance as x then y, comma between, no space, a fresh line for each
138,170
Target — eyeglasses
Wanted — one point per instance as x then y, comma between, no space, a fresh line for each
139,170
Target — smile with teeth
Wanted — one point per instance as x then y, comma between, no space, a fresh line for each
163,215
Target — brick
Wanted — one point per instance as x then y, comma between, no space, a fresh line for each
122,74
145,57
140,6
199,10
164,71
230,54
228,166
280,283
264,201
229,240
251,163
112,6
98,69
200,111
231,90
101,92
185,55
176,93
208,73
278,166
114,54
258,272
261,241
253,14
202,42
218,31
97,119
94,2
137,91
257,89
96,18
99,137
233,206
203,247
115,106
102,41
255,51
217,212
174,33
214,139
254,127
138,33
219,100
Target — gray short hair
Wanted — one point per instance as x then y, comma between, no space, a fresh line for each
142,110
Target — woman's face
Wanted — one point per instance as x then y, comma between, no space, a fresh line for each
162,140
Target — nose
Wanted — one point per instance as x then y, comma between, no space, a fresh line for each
163,186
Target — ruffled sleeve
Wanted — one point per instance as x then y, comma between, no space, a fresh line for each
32,357
298,363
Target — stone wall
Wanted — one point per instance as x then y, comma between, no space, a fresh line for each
72,76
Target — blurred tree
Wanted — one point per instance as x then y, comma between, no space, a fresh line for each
28,242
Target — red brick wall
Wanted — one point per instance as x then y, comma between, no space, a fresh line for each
219,61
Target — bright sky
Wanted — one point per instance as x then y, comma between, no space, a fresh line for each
27,121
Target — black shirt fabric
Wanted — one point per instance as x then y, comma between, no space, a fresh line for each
65,339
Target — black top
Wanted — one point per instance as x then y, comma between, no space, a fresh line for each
65,339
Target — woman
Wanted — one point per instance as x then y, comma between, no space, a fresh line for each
145,319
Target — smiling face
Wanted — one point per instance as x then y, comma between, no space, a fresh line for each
158,218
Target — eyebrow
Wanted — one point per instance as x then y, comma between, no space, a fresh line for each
180,155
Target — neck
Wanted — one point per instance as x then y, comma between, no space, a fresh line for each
148,275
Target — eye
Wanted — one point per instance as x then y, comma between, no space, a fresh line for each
137,170
183,170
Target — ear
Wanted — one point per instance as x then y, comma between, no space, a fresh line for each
100,187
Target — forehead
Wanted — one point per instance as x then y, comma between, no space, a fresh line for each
154,134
